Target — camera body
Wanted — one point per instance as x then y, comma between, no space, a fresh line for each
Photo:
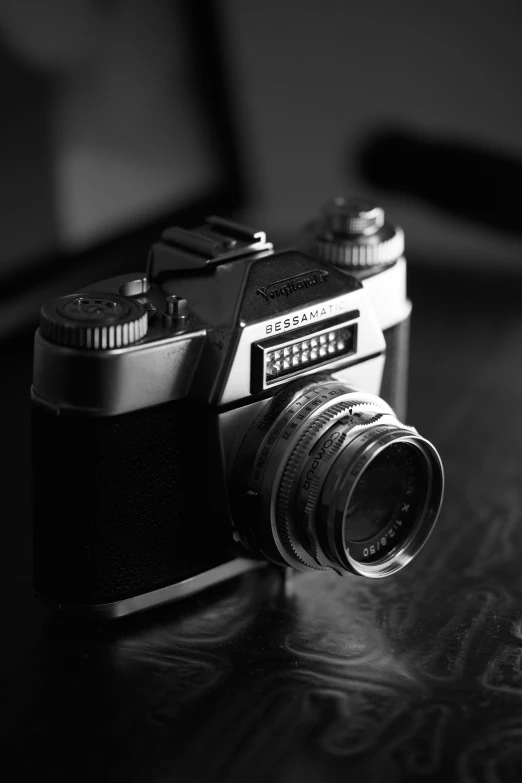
144,391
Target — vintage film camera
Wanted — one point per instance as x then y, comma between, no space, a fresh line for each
223,411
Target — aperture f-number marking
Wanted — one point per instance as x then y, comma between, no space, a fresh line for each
383,541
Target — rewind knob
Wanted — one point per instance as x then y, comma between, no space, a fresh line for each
94,320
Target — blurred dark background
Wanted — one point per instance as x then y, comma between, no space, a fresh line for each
318,81
119,117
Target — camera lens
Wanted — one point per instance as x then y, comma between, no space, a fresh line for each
385,502
335,481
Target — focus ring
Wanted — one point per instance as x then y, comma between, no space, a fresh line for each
286,486
292,470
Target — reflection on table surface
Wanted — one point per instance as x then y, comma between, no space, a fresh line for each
318,678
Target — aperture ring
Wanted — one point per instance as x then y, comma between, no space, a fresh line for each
265,447
293,521
308,509
286,427
261,427
288,532
278,444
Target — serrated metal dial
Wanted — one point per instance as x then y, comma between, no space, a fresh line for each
287,482
349,253
353,234
94,320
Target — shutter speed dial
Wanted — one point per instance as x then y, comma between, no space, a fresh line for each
94,320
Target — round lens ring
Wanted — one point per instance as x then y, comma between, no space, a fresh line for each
385,503
327,478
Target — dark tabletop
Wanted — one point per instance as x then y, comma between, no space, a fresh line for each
413,677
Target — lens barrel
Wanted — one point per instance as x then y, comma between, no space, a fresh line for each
335,481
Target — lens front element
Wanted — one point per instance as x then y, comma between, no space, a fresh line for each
385,502
338,482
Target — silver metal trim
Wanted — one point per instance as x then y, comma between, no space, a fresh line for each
115,381
387,293
408,549
135,287
366,376
164,595
370,340
353,255
212,247
235,423
327,361
216,241
155,371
